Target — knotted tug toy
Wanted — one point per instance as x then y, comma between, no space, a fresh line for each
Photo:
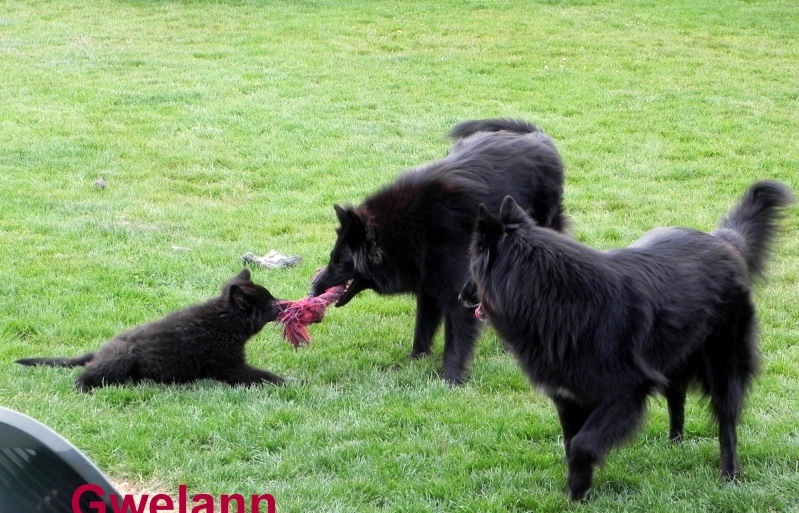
297,315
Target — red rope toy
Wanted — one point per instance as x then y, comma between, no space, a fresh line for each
297,315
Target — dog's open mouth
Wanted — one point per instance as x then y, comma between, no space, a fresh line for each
344,290
353,287
477,306
468,298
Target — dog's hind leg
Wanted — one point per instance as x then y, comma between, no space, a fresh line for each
428,319
101,373
607,426
113,363
731,364
460,334
726,398
728,438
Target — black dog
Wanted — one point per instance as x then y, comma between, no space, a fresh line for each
413,235
599,332
198,342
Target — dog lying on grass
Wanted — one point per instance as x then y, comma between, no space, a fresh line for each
204,341
599,332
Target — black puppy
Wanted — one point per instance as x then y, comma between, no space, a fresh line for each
413,235
600,332
198,342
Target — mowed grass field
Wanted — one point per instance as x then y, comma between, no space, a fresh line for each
223,127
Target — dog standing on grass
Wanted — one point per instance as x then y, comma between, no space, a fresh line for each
599,332
204,341
413,235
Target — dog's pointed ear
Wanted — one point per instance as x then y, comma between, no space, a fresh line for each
244,275
346,215
510,211
341,214
511,215
239,295
487,225
352,226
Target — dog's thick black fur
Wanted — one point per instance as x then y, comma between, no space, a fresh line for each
600,332
413,235
204,341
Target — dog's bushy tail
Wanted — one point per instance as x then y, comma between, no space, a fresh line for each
77,361
752,224
467,128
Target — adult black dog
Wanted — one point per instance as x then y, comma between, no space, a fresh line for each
413,235
600,332
204,341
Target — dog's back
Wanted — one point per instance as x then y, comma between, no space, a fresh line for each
468,128
184,345
695,275
688,282
492,159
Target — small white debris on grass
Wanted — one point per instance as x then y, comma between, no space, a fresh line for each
272,260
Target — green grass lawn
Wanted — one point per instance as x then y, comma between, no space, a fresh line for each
226,127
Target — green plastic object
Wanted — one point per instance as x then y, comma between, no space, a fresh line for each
40,471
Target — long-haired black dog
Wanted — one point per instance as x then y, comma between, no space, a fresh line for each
204,341
413,235
600,332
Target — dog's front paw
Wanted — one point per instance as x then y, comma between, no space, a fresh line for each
581,473
579,486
